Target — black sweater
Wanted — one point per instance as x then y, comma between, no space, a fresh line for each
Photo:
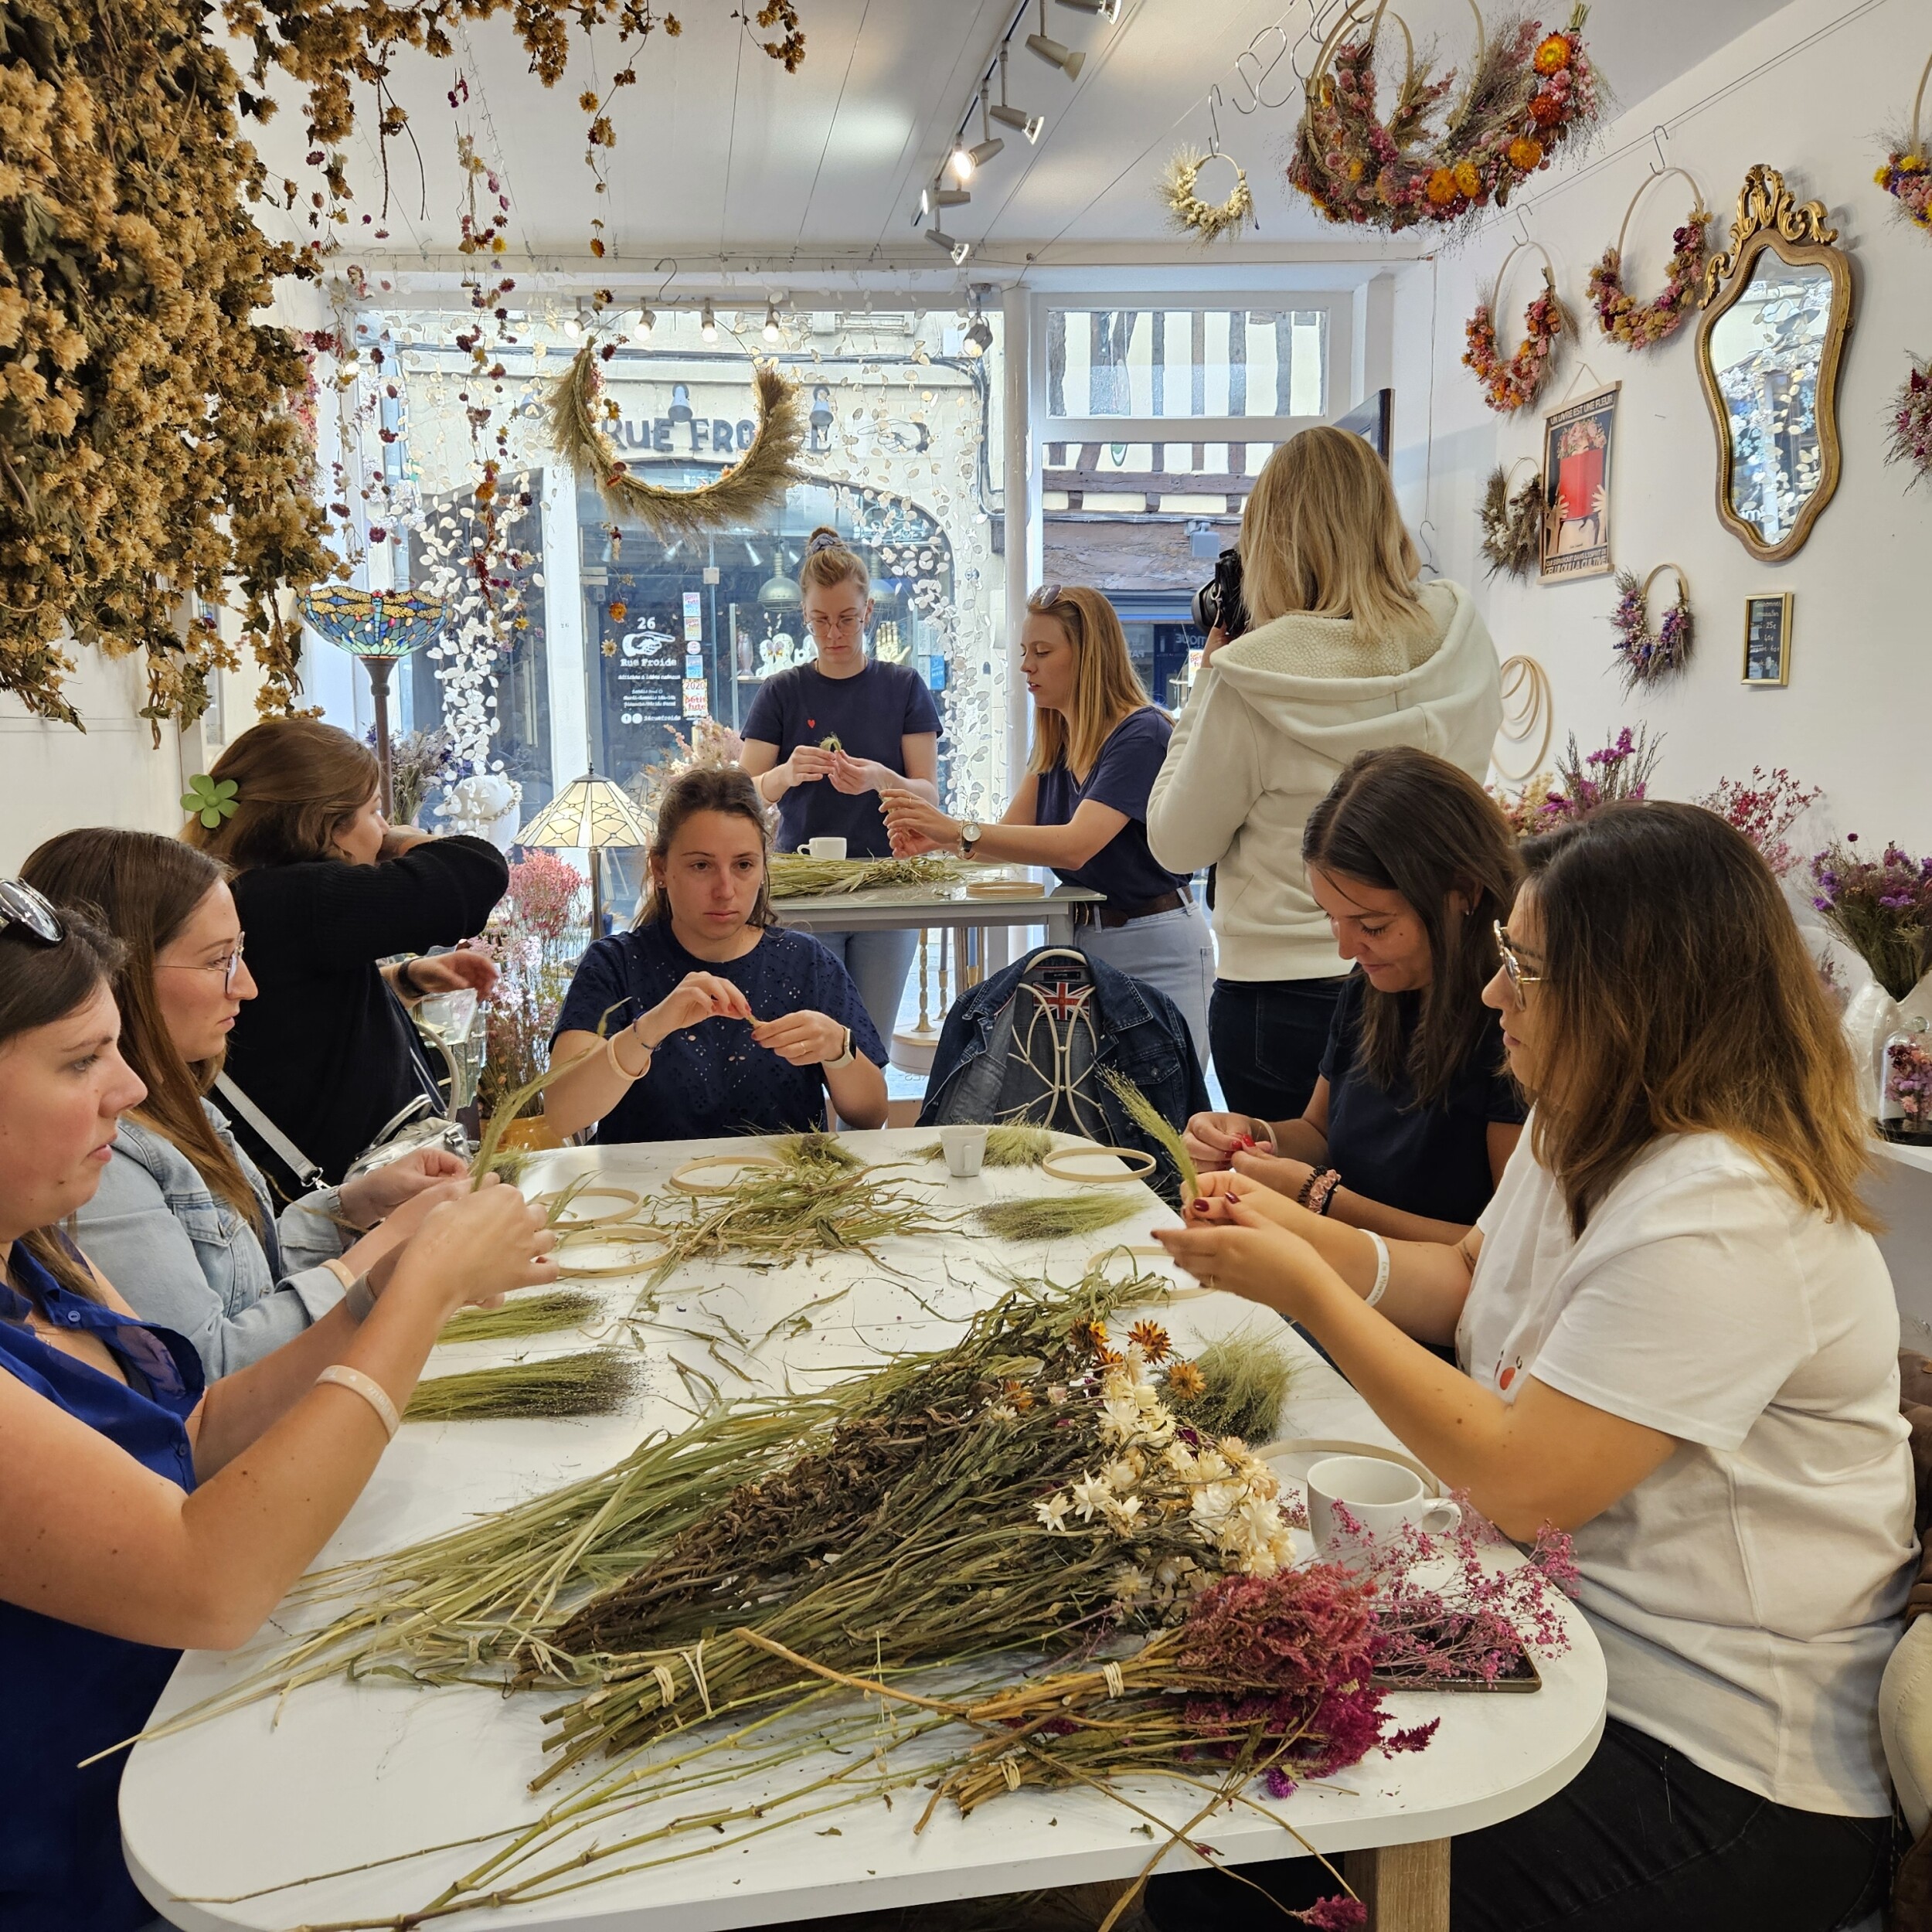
325,1049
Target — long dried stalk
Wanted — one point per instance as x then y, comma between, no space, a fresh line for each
1157,1127
528,1315
1055,1217
596,1382
1007,1145
800,876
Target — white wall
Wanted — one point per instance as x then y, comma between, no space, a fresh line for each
1806,89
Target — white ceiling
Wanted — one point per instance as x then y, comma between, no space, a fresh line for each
721,156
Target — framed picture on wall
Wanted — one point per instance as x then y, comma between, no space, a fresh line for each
1767,638
1579,448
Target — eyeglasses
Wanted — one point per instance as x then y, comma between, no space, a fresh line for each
21,906
228,966
1511,965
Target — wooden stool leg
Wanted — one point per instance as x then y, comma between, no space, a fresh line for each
1405,1887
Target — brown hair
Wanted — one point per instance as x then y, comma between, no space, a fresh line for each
297,779
147,887
39,984
707,788
1680,999
829,561
1105,688
1406,821
1321,532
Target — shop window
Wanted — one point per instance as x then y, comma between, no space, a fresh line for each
1201,362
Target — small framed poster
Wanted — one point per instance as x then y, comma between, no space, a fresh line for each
1579,446
1767,638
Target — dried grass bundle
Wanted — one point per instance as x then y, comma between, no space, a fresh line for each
817,1153
595,1383
1007,1146
794,875
1247,1377
528,1315
1055,1217
1157,1127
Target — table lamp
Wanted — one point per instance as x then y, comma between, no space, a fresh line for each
378,627
589,814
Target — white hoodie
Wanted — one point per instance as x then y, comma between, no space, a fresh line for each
1272,718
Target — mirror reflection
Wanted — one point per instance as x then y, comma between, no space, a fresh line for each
1768,354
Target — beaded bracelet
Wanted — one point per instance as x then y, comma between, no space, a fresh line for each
1318,1191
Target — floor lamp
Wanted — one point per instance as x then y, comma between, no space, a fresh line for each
380,628
588,815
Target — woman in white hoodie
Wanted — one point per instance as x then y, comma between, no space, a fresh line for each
1347,653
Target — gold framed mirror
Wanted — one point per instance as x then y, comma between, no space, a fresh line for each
1778,307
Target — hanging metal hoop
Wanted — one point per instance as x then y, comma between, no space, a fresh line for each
1496,287
1649,181
1525,684
1918,102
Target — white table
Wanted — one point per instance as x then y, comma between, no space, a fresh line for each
345,1774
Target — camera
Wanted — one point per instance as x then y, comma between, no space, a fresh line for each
1218,602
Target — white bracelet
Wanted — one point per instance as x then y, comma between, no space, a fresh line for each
1382,1267
368,1389
845,1056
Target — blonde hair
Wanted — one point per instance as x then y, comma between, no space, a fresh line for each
1322,533
1105,688
829,562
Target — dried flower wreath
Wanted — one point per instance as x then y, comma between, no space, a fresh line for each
1512,525
1648,656
753,484
1512,384
1911,418
1906,175
1191,214
1640,324
1528,92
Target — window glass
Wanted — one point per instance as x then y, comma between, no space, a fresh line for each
1127,362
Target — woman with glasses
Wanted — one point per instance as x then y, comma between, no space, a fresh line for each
149,1510
182,1221
823,740
1678,1342
1098,743
1415,1115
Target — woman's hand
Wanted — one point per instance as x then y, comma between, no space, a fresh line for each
853,776
802,1039
1212,1138
807,765
476,1248
916,825
1219,1192
398,839
1275,1171
453,972
1232,1242
375,1196
1216,639
695,998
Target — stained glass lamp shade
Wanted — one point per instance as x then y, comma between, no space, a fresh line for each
379,626
589,814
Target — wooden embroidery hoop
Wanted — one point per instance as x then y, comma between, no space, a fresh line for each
680,1180
1049,1165
569,1221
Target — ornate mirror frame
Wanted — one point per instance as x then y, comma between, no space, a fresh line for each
1767,217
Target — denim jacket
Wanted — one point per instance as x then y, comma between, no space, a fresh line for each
183,1258
1141,1035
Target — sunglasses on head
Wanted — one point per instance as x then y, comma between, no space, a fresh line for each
21,906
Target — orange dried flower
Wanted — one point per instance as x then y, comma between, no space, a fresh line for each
1090,1334
619,611
1545,108
1185,1382
1152,1339
1526,151
1552,55
1442,187
1468,178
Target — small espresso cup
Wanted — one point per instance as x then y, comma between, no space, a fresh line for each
826,848
964,1148
1381,1496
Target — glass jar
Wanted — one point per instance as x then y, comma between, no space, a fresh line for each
1905,1112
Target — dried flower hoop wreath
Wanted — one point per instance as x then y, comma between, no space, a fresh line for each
754,483
1188,212
1619,315
1526,92
1509,386
1906,175
1650,656
1512,525
1911,423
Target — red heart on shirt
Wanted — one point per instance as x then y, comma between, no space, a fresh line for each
1507,1376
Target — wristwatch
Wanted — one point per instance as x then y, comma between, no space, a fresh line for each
969,837
845,1054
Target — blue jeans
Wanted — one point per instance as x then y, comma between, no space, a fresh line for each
1172,951
878,962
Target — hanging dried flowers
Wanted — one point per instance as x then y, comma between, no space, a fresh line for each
1188,212
1639,325
1509,386
1527,93
757,481
1648,656
1906,175
1912,422
1512,525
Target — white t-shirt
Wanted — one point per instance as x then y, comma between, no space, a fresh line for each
1747,1592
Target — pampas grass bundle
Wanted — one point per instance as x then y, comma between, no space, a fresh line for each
1055,1217
1009,1146
1157,1127
596,1382
528,1315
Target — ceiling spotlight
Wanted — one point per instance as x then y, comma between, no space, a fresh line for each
640,329
572,326
1009,116
771,322
1051,52
1108,10
959,162
988,144
925,207
979,337
944,197
959,250
708,325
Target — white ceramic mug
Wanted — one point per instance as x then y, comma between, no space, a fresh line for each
1381,1496
826,848
964,1148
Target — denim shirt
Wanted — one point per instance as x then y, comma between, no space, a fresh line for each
182,1256
1141,1035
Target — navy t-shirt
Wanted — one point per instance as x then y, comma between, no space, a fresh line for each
868,714
714,1078
1432,1161
1122,777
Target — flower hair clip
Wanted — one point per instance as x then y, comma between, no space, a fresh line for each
209,801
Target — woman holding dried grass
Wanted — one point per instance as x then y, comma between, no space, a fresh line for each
660,1031
147,1510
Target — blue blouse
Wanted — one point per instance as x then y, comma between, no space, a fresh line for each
73,1691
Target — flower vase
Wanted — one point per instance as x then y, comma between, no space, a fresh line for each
1905,1106
1870,1019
